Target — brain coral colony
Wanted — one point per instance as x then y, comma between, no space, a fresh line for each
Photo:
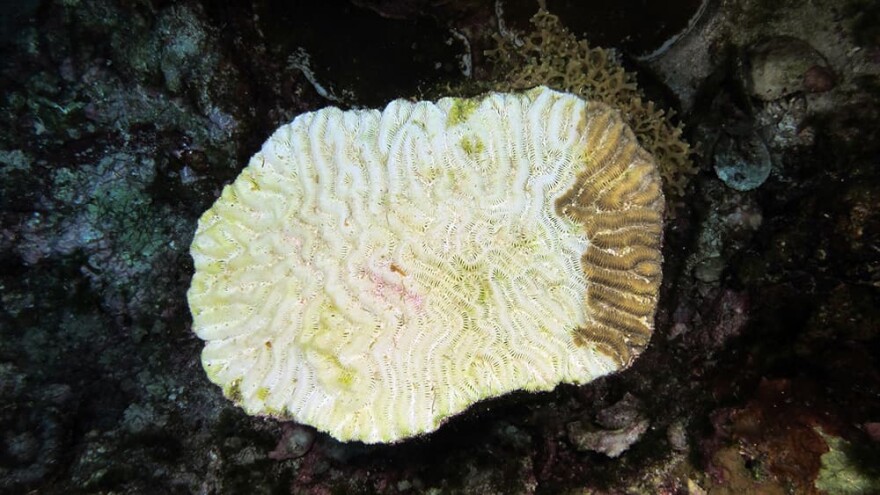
372,273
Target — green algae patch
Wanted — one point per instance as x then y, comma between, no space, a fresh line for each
262,393
233,391
841,473
461,109
472,146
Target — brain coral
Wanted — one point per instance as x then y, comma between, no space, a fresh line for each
553,56
372,273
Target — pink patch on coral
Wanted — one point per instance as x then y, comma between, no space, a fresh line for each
390,286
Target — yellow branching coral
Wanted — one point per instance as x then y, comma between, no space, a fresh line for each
552,56
372,273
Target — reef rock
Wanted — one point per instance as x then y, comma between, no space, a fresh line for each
372,273
782,65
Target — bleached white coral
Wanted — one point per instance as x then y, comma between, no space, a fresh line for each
372,273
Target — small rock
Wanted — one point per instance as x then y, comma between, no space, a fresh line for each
623,424
744,219
784,124
677,436
742,162
818,79
779,67
710,269
609,442
694,489
622,414
295,441
730,315
139,418
873,430
248,456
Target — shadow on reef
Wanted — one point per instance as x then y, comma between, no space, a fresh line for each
122,120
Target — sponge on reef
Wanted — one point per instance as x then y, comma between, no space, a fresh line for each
372,273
